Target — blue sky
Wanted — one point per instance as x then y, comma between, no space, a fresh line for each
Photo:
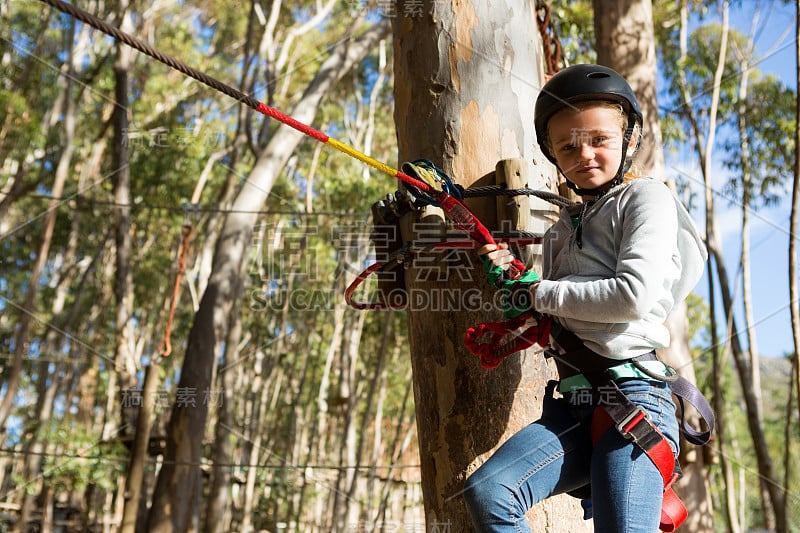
775,38
775,44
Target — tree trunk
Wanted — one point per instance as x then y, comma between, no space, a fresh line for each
173,498
467,75
794,294
260,393
376,394
404,430
625,41
719,358
345,511
753,356
141,440
793,291
773,506
747,195
300,428
788,439
219,489
704,145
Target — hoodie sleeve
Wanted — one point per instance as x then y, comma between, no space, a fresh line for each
627,269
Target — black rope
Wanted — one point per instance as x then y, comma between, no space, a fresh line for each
501,190
517,234
202,77
145,48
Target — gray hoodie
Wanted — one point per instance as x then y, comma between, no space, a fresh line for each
641,254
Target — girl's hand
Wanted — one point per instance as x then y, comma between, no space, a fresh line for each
518,294
497,254
496,259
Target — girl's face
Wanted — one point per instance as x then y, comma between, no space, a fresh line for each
586,141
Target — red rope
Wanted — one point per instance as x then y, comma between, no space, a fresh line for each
166,344
234,93
488,339
349,294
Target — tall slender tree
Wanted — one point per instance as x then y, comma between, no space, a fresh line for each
794,294
467,76
709,69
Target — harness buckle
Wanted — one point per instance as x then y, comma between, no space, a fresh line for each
628,425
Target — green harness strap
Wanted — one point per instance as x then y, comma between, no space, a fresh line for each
625,370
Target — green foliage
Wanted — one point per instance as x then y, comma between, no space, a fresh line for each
79,458
575,28
698,68
770,114
697,320
292,315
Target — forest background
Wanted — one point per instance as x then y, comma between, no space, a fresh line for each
116,171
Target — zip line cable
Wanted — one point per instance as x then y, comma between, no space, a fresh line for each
236,94
428,180
243,466
84,203
458,213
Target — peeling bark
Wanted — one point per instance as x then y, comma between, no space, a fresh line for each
467,76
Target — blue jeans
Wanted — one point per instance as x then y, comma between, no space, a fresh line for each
555,455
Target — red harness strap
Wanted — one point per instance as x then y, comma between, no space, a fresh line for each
632,423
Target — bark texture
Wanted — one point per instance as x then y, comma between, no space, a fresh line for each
467,76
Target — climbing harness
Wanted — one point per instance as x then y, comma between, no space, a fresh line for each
633,424
631,421
488,341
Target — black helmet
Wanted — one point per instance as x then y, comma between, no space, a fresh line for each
580,83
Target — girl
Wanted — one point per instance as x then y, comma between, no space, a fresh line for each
613,269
